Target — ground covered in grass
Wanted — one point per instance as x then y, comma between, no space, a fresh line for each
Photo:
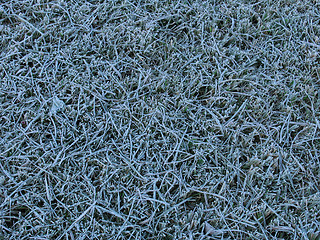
159,119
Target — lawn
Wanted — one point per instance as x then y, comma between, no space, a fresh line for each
159,119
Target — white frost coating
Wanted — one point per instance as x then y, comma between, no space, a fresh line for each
57,105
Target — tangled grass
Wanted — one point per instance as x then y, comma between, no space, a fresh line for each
159,119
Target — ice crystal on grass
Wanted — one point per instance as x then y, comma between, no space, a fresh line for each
57,105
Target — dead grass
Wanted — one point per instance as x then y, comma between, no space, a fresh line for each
159,119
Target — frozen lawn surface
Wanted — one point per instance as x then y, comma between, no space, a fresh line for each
159,119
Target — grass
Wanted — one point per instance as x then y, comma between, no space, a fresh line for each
159,119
